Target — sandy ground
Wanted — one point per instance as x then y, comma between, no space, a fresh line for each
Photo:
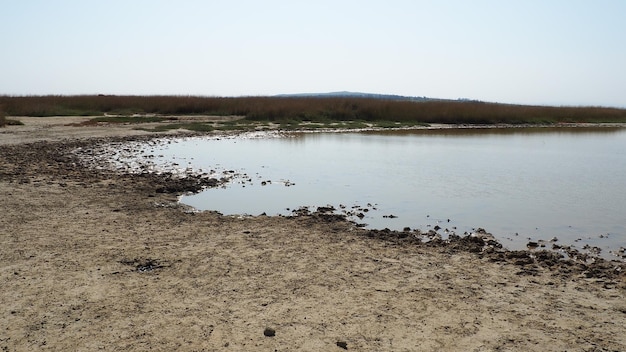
92,260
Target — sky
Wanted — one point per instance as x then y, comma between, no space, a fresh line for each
540,52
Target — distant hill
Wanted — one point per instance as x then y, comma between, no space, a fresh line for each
357,95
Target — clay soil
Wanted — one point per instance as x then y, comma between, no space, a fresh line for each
96,260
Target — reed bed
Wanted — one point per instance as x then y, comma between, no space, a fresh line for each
311,109
3,120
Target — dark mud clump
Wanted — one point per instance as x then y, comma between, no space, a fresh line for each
397,237
57,162
143,265
531,262
191,183
321,215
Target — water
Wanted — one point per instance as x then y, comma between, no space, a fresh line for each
518,184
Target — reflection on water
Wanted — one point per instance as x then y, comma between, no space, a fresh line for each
517,183
490,130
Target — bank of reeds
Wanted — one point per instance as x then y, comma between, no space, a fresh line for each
3,120
315,109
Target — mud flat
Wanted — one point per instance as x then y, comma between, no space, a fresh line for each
102,260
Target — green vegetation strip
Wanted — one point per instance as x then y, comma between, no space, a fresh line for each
198,127
129,119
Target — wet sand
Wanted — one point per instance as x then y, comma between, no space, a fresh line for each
96,260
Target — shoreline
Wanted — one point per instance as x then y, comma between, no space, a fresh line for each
94,258
58,128
107,151
175,184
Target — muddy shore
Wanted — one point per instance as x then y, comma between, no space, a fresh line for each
101,260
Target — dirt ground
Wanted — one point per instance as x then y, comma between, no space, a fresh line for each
94,260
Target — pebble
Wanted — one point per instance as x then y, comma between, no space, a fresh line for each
269,332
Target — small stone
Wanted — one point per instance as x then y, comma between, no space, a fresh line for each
269,332
342,344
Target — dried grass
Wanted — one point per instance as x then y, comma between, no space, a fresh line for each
313,109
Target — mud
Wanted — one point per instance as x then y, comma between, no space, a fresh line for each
98,259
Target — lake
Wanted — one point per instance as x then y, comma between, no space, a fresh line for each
564,184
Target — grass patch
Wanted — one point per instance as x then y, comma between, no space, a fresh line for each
234,127
129,119
193,126
396,124
350,125
4,121
388,124
314,126
12,122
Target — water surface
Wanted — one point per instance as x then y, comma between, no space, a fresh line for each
518,184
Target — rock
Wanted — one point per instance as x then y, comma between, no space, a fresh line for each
532,245
269,332
484,235
342,344
327,209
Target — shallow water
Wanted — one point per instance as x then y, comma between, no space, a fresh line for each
518,184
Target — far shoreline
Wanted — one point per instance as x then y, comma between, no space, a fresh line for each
32,129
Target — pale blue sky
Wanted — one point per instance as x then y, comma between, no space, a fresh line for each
556,52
